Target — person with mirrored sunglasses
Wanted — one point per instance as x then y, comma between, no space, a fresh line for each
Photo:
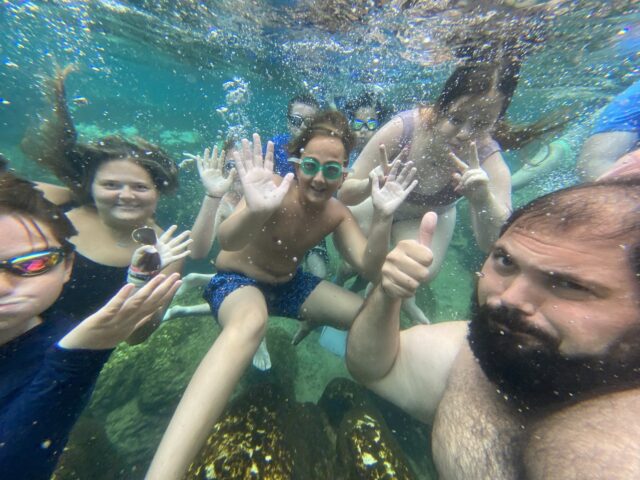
259,274
50,360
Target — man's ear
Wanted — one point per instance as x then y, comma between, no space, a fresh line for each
68,266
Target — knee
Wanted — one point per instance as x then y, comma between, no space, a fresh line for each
250,325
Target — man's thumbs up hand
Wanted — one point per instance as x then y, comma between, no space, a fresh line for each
407,265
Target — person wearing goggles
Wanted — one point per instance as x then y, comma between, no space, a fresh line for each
51,360
300,111
366,113
258,268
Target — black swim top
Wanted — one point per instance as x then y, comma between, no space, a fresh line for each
447,194
91,286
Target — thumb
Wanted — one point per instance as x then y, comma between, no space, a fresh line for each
286,182
427,228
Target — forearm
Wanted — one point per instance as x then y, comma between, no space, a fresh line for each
203,231
354,191
377,246
487,217
372,345
240,229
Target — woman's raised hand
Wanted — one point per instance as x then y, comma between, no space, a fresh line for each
211,170
472,180
256,174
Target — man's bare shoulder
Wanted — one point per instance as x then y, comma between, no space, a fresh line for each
419,375
596,438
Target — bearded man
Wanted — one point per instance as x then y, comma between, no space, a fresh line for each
544,381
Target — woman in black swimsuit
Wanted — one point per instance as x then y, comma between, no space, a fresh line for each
112,187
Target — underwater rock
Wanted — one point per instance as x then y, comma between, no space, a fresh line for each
135,434
89,454
170,357
179,137
256,438
342,395
368,450
118,382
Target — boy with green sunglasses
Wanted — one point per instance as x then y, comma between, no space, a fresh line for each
258,269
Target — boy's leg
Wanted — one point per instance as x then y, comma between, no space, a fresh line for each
243,316
331,305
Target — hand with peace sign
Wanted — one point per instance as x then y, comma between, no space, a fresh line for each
407,265
472,180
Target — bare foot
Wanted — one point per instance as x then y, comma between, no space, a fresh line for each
261,359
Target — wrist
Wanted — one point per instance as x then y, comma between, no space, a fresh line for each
210,195
139,277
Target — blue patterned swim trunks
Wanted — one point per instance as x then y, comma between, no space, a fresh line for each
283,299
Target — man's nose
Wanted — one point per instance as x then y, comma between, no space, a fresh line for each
518,294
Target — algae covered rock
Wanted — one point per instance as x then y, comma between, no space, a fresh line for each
368,450
255,439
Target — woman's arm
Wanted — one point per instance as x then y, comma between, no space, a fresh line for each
488,189
357,186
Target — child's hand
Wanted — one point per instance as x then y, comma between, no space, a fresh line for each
256,174
398,183
125,312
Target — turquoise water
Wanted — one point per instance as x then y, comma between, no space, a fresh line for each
183,73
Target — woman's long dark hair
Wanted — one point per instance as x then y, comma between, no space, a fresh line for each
54,145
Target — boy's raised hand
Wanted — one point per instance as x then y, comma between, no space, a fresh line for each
397,184
261,192
407,265
125,312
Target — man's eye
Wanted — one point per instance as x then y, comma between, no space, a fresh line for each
502,259
456,120
568,285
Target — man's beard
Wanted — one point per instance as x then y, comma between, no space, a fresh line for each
532,371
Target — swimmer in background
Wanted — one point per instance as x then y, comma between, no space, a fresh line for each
617,132
453,145
277,221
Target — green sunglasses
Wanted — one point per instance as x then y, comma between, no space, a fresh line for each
311,166
371,124
34,263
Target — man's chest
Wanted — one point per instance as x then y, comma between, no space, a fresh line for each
476,435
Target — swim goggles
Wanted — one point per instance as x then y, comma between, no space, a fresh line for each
371,124
34,263
311,166
297,120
